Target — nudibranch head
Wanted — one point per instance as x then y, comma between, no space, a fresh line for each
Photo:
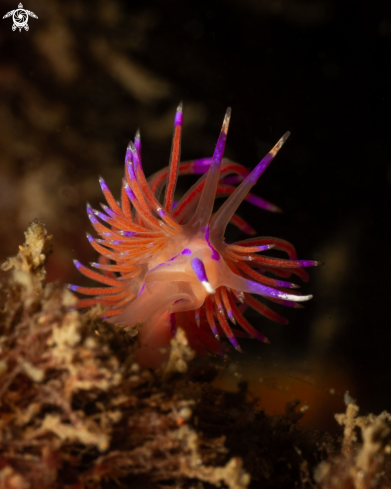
164,264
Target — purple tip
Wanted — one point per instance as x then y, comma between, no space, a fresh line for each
179,115
127,234
137,141
186,251
264,163
199,270
128,154
261,337
197,317
309,263
91,214
74,288
214,331
202,165
89,237
103,184
132,147
234,342
261,203
130,168
100,215
129,192
220,146
246,228
266,247
78,265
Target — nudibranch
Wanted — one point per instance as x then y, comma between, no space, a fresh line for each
165,264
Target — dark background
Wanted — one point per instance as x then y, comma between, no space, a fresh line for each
77,85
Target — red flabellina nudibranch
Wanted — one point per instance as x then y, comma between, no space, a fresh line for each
165,264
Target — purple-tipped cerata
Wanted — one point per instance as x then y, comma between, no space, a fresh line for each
165,264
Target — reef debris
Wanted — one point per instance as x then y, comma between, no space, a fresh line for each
77,411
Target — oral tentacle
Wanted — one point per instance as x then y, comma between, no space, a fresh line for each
199,270
204,209
238,282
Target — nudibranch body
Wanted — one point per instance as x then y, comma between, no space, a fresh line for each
167,264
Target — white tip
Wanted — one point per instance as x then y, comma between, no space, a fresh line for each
296,298
208,287
131,146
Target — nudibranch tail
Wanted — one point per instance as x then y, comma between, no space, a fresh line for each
166,264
